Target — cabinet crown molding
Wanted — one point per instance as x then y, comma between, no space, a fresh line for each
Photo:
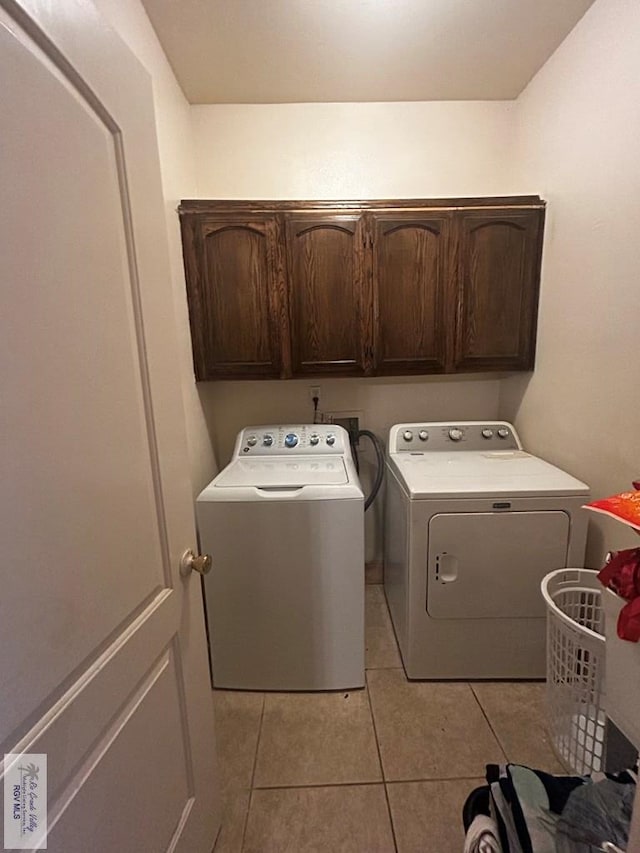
285,205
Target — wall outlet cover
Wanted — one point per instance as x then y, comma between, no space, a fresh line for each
349,420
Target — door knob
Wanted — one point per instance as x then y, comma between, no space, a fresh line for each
191,562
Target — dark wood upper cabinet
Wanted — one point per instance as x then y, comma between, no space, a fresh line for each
359,288
325,274
236,294
499,254
409,277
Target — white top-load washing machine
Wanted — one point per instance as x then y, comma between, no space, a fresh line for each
284,523
473,523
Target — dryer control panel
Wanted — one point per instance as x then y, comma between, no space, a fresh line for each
292,440
461,435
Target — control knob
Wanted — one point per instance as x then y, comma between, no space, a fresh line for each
252,440
314,438
291,439
331,439
487,433
407,435
423,435
503,432
455,434
267,440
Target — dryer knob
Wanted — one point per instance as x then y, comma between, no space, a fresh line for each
455,434
503,432
314,438
487,433
291,439
252,441
331,439
407,435
423,435
267,439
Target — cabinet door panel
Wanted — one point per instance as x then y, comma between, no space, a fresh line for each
499,276
325,274
409,284
235,297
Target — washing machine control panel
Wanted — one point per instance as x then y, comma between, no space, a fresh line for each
459,436
292,439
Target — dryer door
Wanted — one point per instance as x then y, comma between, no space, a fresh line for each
490,564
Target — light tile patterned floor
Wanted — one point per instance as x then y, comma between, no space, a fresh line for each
316,739
386,768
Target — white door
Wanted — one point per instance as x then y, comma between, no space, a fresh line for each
103,664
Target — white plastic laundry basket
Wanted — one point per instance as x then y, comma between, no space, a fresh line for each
575,667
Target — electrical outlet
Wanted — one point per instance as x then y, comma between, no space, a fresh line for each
314,391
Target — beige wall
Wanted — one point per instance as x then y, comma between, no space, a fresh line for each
391,150
579,146
339,151
175,144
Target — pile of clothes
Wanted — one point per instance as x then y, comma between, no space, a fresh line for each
521,810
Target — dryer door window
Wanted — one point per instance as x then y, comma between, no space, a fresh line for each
490,564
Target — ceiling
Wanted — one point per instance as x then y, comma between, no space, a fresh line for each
285,51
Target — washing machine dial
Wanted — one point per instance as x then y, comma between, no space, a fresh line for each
252,441
487,433
407,435
455,434
423,435
503,432
290,439
314,439
267,439
331,439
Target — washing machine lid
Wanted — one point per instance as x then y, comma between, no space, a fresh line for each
472,474
283,473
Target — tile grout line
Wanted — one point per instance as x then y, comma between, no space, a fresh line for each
255,758
253,773
384,784
393,627
360,784
485,715
388,626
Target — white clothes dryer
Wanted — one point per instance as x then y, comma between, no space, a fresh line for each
284,523
473,523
